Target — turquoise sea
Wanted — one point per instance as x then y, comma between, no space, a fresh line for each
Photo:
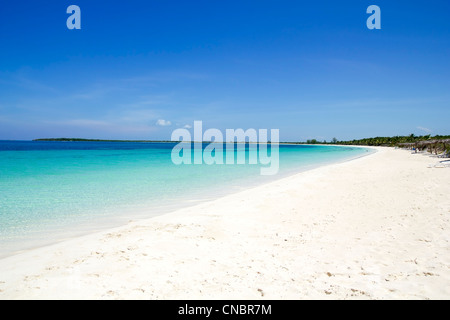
50,191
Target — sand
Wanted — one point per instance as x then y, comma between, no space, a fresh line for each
373,228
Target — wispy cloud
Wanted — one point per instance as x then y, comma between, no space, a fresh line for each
138,116
425,129
165,76
163,123
146,101
23,80
364,105
104,126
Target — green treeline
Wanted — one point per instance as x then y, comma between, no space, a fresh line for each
383,141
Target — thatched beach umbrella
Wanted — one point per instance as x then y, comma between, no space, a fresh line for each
407,145
432,144
445,142
404,144
435,144
427,144
422,144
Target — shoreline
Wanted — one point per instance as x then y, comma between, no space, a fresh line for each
122,218
301,236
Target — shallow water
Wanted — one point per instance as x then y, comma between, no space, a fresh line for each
53,190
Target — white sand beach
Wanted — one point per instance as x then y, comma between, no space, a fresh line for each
377,227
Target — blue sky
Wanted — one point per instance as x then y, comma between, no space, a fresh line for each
140,69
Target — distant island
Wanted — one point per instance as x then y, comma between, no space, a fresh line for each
377,141
95,140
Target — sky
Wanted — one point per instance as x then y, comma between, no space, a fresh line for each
141,69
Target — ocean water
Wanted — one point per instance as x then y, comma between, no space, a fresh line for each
50,191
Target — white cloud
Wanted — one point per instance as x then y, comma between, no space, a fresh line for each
163,123
187,126
425,129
